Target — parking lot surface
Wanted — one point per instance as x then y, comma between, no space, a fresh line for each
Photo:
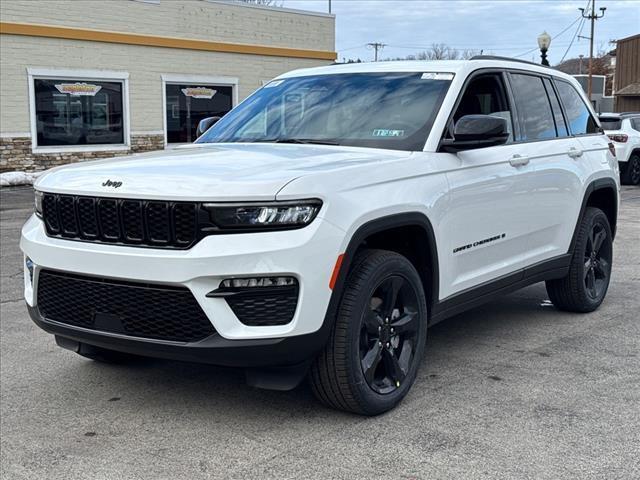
514,389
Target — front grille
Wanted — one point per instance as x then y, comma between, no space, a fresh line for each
265,308
121,221
135,309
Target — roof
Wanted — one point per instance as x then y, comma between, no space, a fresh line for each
619,115
461,67
631,90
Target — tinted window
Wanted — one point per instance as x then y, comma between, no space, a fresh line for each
485,95
611,123
188,104
635,123
561,127
379,110
578,115
532,104
78,112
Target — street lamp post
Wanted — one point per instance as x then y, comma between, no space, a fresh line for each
544,40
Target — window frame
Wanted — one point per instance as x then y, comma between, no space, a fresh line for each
204,80
78,76
502,73
555,92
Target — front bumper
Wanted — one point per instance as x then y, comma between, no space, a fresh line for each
276,352
307,254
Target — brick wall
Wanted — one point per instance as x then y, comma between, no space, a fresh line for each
16,154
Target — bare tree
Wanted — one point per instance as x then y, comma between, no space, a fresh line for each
440,51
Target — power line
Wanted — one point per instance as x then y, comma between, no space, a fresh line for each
376,46
592,17
577,32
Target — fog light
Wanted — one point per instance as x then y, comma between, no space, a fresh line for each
259,282
29,264
231,286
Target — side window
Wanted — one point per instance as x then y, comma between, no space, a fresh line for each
561,126
580,120
635,124
533,109
486,95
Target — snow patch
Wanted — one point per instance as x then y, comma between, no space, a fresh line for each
11,179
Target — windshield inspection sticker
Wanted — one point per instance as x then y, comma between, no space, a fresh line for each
382,132
437,76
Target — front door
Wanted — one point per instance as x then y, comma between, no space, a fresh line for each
492,212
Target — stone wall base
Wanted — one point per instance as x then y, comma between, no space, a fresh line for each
16,154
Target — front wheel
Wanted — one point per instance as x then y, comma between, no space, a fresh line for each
585,287
378,339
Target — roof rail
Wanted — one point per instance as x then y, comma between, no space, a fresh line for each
508,59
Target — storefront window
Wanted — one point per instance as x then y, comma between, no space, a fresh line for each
78,112
188,104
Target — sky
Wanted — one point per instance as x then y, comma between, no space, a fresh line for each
499,27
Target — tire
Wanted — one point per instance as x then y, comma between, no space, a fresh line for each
586,284
103,355
631,175
384,337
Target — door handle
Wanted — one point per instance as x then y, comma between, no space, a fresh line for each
518,161
574,152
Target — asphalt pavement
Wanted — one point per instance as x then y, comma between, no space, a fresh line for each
514,389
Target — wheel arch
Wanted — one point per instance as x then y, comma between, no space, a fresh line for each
603,194
377,233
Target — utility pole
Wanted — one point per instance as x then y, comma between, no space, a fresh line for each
376,46
592,17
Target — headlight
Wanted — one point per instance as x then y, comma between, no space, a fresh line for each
38,203
266,216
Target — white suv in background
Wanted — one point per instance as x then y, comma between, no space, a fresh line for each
323,224
624,131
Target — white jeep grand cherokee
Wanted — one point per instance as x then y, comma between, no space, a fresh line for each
323,224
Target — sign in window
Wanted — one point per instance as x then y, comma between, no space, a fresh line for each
188,104
78,112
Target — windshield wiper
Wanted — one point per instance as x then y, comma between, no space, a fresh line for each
308,141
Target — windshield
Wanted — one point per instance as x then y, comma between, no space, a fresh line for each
379,110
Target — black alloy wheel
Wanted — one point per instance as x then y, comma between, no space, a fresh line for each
634,170
388,334
584,287
378,338
597,261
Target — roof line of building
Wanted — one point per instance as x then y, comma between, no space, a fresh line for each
275,9
72,33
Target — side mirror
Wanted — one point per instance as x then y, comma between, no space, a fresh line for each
477,131
205,124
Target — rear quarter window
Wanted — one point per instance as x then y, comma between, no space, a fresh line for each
581,122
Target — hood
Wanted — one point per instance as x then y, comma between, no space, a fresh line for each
212,172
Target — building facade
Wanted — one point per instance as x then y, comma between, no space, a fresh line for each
627,76
81,79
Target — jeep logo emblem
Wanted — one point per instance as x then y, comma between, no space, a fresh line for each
109,183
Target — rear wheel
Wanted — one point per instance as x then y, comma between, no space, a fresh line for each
378,339
631,176
585,287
